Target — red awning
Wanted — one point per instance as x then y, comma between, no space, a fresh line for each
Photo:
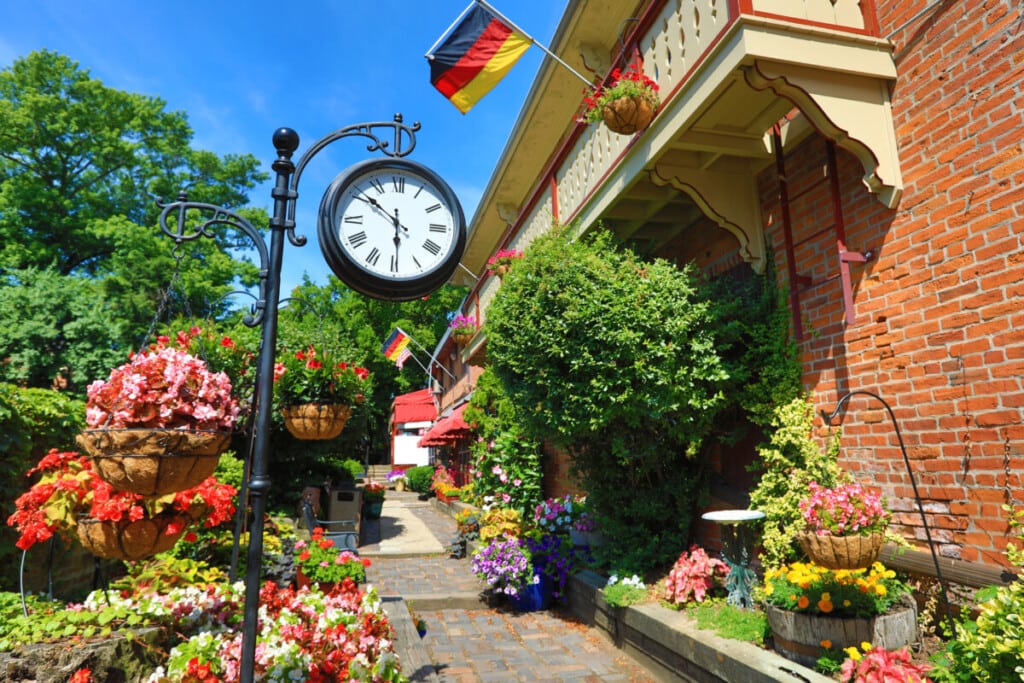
447,430
417,406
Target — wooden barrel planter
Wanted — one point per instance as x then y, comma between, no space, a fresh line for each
132,540
315,422
798,636
153,462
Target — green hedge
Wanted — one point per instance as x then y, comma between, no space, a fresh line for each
32,421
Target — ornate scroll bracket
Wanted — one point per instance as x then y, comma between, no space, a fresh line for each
852,110
189,224
729,199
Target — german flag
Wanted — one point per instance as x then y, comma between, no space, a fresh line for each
394,348
474,56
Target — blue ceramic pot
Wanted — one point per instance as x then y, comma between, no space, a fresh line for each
536,596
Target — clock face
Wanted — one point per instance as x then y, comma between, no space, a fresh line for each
391,228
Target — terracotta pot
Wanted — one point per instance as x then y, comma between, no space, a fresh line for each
128,540
798,636
627,115
842,552
153,462
311,421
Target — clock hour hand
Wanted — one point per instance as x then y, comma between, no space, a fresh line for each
398,226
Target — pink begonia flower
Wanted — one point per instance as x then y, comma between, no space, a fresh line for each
505,497
517,482
496,470
503,478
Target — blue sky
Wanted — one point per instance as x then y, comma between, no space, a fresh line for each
242,70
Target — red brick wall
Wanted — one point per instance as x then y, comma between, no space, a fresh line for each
939,329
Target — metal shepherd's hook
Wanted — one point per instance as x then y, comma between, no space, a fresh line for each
913,483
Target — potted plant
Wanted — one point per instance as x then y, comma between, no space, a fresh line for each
504,564
807,604
568,516
317,393
557,558
397,479
462,329
319,562
845,525
500,263
443,485
373,499
72,500
626,102
159,423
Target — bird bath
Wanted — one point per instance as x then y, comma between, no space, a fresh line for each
738,536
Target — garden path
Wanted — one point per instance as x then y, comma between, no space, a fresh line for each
467,641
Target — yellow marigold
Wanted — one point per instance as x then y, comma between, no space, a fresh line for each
769,589
853,653
880,589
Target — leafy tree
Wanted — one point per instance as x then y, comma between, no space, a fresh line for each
50,325
81,165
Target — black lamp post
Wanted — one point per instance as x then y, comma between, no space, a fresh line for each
913,483
189,224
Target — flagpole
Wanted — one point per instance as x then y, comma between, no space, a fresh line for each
413,356
486,5
433,361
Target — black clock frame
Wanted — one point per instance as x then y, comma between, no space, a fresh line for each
352,272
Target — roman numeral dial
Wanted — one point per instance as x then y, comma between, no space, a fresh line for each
391,227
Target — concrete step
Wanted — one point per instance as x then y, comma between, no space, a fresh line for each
379,472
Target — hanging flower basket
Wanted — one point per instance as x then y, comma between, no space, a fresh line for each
153,462
627,115
132,540
626,103
462,339
312,421
842,552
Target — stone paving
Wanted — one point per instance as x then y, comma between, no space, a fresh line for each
467,641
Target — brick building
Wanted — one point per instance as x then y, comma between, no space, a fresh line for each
875,150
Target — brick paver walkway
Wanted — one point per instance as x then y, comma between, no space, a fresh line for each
481,644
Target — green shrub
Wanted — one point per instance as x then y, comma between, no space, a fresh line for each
420,478
991,648
352,468
32,421
788,462
612,358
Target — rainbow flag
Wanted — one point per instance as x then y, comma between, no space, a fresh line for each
394,348
475,55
